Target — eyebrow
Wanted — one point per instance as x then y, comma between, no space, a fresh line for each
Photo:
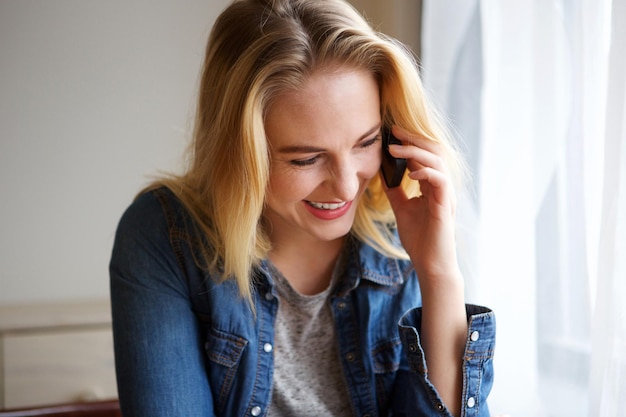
314,149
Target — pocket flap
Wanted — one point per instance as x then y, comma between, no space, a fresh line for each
387,355
224,348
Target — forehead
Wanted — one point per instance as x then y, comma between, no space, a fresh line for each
315,84
338,102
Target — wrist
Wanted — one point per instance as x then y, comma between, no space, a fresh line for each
441,277
446,287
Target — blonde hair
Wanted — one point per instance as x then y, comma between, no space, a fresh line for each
258,49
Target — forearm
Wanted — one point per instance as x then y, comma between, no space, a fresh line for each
159,363
444,330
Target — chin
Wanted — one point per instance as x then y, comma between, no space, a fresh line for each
333,233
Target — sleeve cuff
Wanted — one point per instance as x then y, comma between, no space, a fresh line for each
477,357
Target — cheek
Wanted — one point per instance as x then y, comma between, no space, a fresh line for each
371,165
373,169
290,185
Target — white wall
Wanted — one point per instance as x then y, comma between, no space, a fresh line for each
95,96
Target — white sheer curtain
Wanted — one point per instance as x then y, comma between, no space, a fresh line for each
537,92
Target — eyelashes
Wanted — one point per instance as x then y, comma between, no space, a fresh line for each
304,162
312,160
371,142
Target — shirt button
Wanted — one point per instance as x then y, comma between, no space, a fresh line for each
471,402
269,296
474,336
256,411
267,348
341,305
350,357
422,369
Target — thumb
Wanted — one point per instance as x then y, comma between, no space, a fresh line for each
395,195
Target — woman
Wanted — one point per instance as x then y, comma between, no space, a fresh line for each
279,275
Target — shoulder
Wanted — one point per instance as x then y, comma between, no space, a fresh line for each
146,262
153,214
145,205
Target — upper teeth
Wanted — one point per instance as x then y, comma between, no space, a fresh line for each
327,206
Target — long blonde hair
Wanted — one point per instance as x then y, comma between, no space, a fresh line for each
258,49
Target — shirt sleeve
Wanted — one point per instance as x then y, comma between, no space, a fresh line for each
477,364
159,363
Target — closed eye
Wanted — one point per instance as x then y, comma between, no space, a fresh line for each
304,162
310,149
370,142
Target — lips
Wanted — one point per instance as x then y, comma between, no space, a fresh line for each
328,211
327,206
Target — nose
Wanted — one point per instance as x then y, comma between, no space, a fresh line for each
344,180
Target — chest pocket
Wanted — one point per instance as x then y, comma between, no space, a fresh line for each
387,359
223,350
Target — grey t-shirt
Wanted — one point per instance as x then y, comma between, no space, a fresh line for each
308,378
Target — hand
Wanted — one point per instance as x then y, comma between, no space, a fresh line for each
425,223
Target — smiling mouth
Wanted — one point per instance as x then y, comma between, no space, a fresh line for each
327,206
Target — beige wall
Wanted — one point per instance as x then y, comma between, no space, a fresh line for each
398,18
96,97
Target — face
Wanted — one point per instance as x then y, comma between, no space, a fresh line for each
325,148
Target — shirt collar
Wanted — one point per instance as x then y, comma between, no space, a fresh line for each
362,261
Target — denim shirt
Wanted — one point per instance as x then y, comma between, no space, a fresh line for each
188,345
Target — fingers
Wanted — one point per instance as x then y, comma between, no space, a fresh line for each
433,176
426,164
396,195
423,156
420,141
418,157
418,150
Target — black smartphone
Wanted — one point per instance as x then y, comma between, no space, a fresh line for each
392,168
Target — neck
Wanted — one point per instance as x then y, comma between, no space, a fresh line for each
307,267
